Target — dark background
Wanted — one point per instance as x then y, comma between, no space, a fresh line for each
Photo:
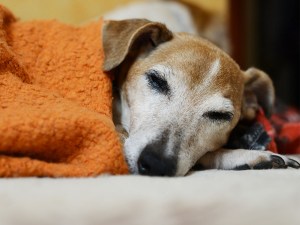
265,34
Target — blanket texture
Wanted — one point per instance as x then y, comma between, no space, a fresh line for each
55,101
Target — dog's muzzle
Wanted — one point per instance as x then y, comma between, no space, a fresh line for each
153,162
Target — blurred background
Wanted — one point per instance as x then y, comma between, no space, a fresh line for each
264,33
77,11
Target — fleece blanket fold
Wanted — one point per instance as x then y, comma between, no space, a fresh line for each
55,101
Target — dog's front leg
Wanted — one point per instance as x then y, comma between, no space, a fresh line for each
242,159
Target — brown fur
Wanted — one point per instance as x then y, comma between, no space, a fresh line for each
146,44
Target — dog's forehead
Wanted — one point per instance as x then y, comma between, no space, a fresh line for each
203,66
199,58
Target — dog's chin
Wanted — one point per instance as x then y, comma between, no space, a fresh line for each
133,170
182,172
132,166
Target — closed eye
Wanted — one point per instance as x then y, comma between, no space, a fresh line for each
218,116
157,82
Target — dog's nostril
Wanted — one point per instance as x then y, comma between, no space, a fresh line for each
153,164
144,167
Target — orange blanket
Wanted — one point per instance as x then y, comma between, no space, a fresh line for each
55,101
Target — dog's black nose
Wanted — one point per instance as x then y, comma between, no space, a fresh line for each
152,163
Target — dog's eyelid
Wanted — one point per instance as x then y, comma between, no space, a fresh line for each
157,73
153,72
157,82
219,115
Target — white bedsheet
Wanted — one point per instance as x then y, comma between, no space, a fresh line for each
212,197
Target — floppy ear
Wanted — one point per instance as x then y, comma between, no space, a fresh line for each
120,37
258,92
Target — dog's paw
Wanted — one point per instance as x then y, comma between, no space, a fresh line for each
243,159
292,163
270,161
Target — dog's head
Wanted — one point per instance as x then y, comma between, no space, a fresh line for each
180,95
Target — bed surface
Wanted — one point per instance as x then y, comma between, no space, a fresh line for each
203,197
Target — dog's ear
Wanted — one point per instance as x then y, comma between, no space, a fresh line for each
122,37
258,92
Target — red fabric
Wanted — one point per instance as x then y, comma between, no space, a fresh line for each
262,119
283,129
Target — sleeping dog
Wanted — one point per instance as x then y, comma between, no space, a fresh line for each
178,98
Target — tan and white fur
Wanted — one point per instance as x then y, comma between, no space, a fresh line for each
179,16
178,97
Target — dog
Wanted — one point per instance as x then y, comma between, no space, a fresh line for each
179,16
178,97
